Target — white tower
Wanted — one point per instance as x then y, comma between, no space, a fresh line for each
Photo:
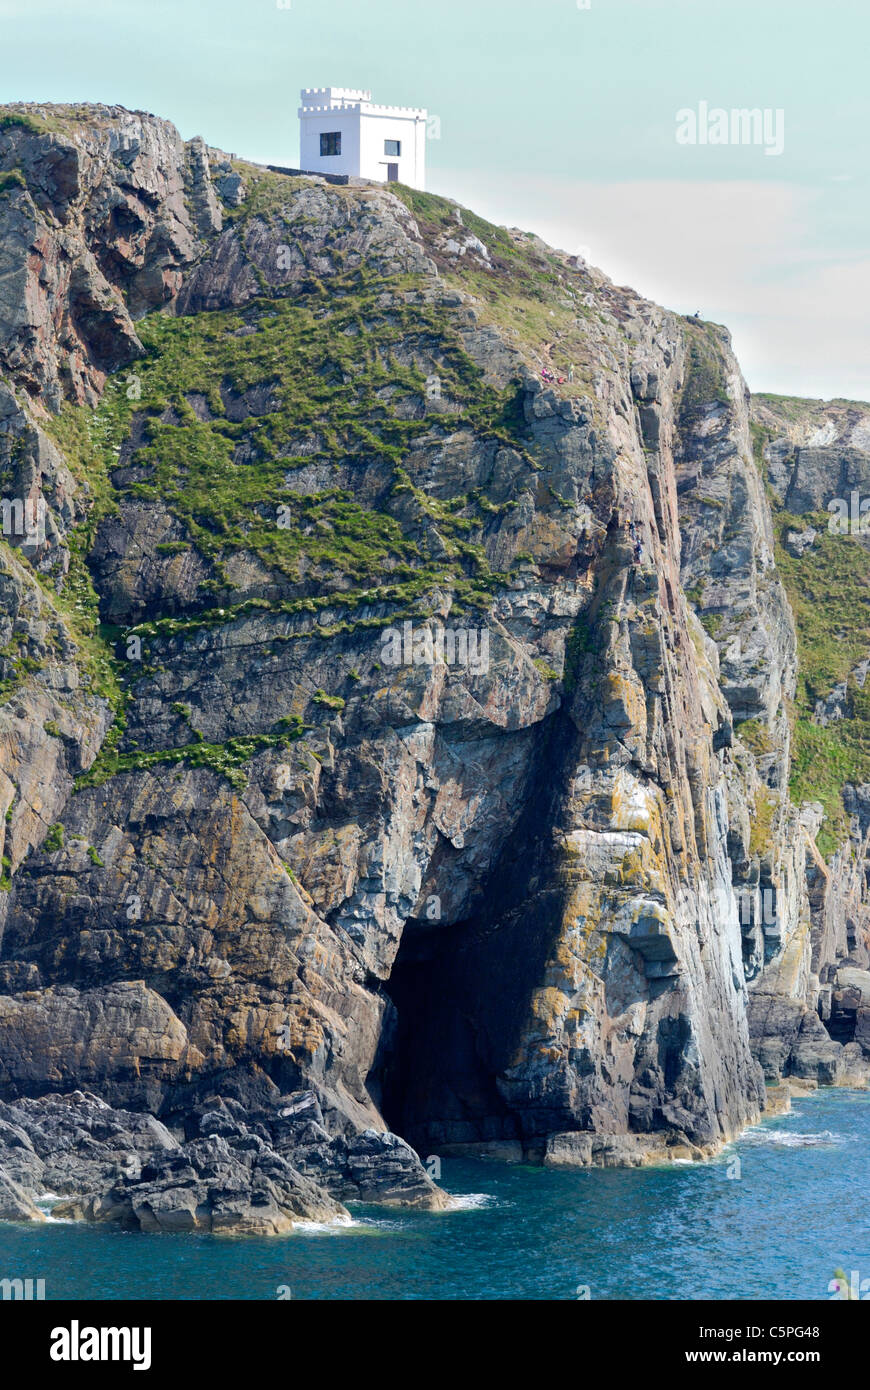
343,132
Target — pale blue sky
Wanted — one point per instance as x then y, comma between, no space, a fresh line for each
554,118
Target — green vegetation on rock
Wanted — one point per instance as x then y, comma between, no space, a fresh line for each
314,388
704,383
11,179
829,591
226,758
54,839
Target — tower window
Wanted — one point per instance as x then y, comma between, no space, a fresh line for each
392,147
330,142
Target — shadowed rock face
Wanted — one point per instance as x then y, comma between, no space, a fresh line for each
449,701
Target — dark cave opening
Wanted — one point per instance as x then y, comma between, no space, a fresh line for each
460,998
842,1024
461,992
435,1076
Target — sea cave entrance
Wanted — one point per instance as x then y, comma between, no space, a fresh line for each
435,1075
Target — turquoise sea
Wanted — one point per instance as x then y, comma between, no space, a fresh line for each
793,1210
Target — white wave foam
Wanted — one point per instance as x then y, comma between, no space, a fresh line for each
44,1203
470,1201
787,1140
325,1228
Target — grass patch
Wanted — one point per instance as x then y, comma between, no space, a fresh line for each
711,623
228,758
10,119
829,591
12,178
755,735
54,839
324,379
704,383
761,829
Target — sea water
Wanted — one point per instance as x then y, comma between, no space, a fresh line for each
772,1217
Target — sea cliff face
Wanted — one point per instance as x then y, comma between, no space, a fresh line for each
409,728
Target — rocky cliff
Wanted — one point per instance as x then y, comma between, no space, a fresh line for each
415,729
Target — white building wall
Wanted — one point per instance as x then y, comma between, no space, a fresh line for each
379,126
364,127
310,128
